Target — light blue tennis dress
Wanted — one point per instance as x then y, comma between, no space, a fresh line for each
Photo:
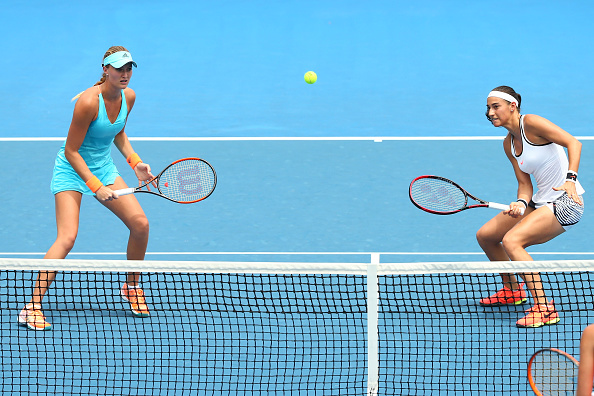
95,150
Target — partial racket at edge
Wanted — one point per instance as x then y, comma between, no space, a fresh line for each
552,371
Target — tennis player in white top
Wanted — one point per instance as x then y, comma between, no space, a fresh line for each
535,147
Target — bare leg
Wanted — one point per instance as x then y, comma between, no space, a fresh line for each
540,227
128,210
490,237
67,217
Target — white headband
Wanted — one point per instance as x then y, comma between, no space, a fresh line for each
503,95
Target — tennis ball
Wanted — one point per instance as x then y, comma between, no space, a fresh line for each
310,77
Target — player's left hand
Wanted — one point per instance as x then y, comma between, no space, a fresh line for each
569,188
143,173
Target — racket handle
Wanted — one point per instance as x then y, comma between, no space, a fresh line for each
498,206
125,191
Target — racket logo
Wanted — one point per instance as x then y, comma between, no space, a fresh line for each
190,181
442,194
436,196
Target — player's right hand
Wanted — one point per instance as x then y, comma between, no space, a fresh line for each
105,194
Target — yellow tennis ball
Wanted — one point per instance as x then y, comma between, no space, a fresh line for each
310,77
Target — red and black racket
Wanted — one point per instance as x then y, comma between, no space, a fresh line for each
187,180
438,195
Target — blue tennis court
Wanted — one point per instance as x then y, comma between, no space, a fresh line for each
321,169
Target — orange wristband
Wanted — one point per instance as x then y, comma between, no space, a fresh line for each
94,184
133,160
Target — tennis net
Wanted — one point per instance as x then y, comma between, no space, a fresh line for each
245,328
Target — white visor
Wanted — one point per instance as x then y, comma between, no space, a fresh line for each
118,59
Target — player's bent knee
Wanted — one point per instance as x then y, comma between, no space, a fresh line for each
511,243
66,242
139,225
480,237
485,238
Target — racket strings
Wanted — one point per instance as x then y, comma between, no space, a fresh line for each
437,195
187,181
554,374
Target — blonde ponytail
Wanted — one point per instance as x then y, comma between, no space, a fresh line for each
110,51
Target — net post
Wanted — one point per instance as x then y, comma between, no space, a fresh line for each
372,329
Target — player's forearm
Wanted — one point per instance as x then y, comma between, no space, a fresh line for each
78,164
123,144
574,152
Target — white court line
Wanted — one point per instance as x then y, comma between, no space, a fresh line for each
292,253
284,138
203,139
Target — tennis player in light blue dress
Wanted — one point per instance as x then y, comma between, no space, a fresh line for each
84,166
95,151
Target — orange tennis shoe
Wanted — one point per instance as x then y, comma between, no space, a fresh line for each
539,315
135,296
505,296
32,317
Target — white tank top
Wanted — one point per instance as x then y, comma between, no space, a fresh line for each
548,164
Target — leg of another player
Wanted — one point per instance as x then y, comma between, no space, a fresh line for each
586,368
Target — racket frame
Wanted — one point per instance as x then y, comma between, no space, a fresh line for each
481,203
132,190
531,380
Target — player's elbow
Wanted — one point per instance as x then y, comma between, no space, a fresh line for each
70,153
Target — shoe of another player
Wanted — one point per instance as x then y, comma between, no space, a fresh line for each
135,296
539,315
505,296
32,317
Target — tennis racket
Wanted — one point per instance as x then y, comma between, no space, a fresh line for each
187,180
438,195
553,372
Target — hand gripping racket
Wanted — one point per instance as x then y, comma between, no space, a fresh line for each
438,195
187,180
553,372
